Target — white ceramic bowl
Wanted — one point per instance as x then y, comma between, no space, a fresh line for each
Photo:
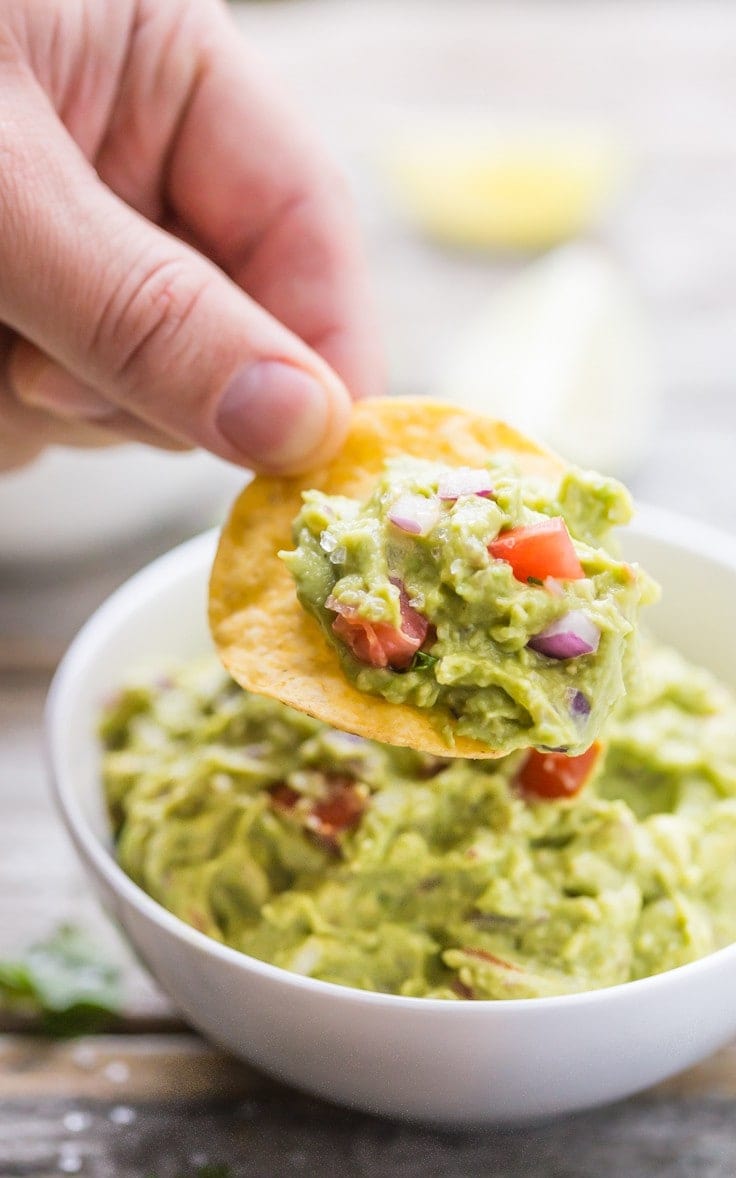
423,1059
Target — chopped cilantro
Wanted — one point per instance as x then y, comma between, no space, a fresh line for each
423,660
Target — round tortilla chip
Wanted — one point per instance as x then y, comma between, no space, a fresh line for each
267,641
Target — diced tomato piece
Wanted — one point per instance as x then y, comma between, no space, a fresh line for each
484,955
555,775
379,643
198,919
341,810
376,643
539,551
462,990
283,797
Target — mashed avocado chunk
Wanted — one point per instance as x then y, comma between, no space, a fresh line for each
390,870
483,595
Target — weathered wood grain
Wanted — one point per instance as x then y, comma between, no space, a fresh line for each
113,1068
129,1107
275,1137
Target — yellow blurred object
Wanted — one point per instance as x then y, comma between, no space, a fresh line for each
520,190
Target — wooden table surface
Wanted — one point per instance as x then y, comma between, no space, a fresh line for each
153,1098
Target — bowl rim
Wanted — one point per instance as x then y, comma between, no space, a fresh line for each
653,521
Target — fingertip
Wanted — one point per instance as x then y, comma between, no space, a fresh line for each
340,407
281,418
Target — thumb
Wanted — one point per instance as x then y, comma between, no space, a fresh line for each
132,319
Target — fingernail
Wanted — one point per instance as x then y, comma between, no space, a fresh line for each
274,414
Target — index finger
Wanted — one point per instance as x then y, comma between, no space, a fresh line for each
262,197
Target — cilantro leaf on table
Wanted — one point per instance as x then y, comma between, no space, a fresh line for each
66,982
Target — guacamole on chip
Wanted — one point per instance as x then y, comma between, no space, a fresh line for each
394,870
462,591
459,594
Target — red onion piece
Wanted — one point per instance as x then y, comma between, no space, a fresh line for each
465,480
413,624
415,514
569,637
579,703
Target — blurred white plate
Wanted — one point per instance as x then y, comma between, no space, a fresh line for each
72,502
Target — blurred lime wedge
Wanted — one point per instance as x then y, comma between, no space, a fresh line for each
517,190
563,352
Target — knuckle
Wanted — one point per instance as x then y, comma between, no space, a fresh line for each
146,318
316,224
333,192
329,192
341,190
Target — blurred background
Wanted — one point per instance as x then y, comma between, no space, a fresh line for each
547,191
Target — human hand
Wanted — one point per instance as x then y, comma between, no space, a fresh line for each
179,263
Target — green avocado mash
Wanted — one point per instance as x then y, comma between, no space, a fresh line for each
485,596
390,870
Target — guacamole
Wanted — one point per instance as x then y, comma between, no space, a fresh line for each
395,871
486,596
